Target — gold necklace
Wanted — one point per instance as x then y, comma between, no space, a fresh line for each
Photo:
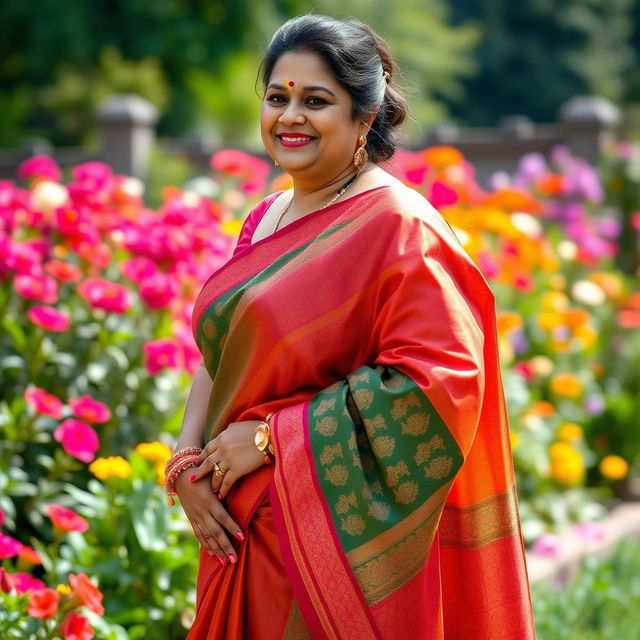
335,197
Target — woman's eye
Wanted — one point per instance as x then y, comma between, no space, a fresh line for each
316,102
276,98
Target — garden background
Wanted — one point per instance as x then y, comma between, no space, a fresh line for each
99,271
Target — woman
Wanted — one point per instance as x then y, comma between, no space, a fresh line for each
357,479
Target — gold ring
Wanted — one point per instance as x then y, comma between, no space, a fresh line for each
216,467
220,472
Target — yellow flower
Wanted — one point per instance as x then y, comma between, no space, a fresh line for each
541,365
160,473
613,467
508,321
63,589
232,227
555,301
515,439
157,452
570,432
550,320
111,467
566,384
567,466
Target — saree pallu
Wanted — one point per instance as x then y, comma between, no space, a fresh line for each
391,510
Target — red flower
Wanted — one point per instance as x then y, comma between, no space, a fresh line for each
6,583
233,162
9,547
97,254
78,439
44,403
138,268
91,410
40,288
66,519
63,271
43,603
103,294
87,592
76,627
49,318
30,555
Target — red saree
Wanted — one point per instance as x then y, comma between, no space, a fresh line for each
391,512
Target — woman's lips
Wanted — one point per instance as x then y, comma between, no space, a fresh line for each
293,140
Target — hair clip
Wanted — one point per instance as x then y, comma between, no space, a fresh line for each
386,76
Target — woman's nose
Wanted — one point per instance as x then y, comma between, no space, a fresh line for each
292,114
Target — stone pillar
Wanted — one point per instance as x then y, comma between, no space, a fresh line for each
587,123
127,130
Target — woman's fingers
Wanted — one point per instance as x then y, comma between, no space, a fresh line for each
227,482
209,448
207,466
207,543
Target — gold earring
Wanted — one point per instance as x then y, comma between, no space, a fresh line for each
361,157
275,163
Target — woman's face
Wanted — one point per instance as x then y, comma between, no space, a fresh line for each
306,119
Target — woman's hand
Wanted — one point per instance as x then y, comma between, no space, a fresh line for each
229,456
208,518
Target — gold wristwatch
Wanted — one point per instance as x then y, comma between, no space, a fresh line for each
262,440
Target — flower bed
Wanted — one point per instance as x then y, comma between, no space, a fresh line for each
96,355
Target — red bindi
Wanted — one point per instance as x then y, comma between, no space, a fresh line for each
291,83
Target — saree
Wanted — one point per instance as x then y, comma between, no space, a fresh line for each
391,510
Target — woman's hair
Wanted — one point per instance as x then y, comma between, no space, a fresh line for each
360,60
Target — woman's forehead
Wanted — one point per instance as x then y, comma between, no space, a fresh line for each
302,68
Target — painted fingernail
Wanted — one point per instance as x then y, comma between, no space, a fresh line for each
192,477
221,560
239,535
232,558
220,496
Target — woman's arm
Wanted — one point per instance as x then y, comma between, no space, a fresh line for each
195,412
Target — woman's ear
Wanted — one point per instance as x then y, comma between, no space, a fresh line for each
366,124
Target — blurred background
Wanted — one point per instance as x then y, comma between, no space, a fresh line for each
130,153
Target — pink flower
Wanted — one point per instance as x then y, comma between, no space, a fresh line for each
40,167
138,268
98,173
44,403
97,254
78,439
104,294
76,627
442,196
49,318
9,547
233,162
590,531
548,545
86,408
41,288
66,519
22,257
2,516
157,291
160,354
23,583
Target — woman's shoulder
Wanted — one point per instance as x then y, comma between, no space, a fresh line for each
253,219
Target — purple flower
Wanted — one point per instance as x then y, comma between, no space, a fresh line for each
519,342
531,167
585,182
594,404
609,228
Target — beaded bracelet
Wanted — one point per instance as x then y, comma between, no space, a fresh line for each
180,461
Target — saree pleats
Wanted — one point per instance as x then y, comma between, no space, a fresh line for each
369,332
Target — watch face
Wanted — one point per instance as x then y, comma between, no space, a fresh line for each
261,439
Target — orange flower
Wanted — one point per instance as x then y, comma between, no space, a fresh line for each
552,184
508,321
613,467
566,384
43,603
513,199
281,182
442,156
87,592
610,283
575,318
30,555
543,409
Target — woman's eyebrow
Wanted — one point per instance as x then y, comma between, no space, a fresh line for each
280,87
